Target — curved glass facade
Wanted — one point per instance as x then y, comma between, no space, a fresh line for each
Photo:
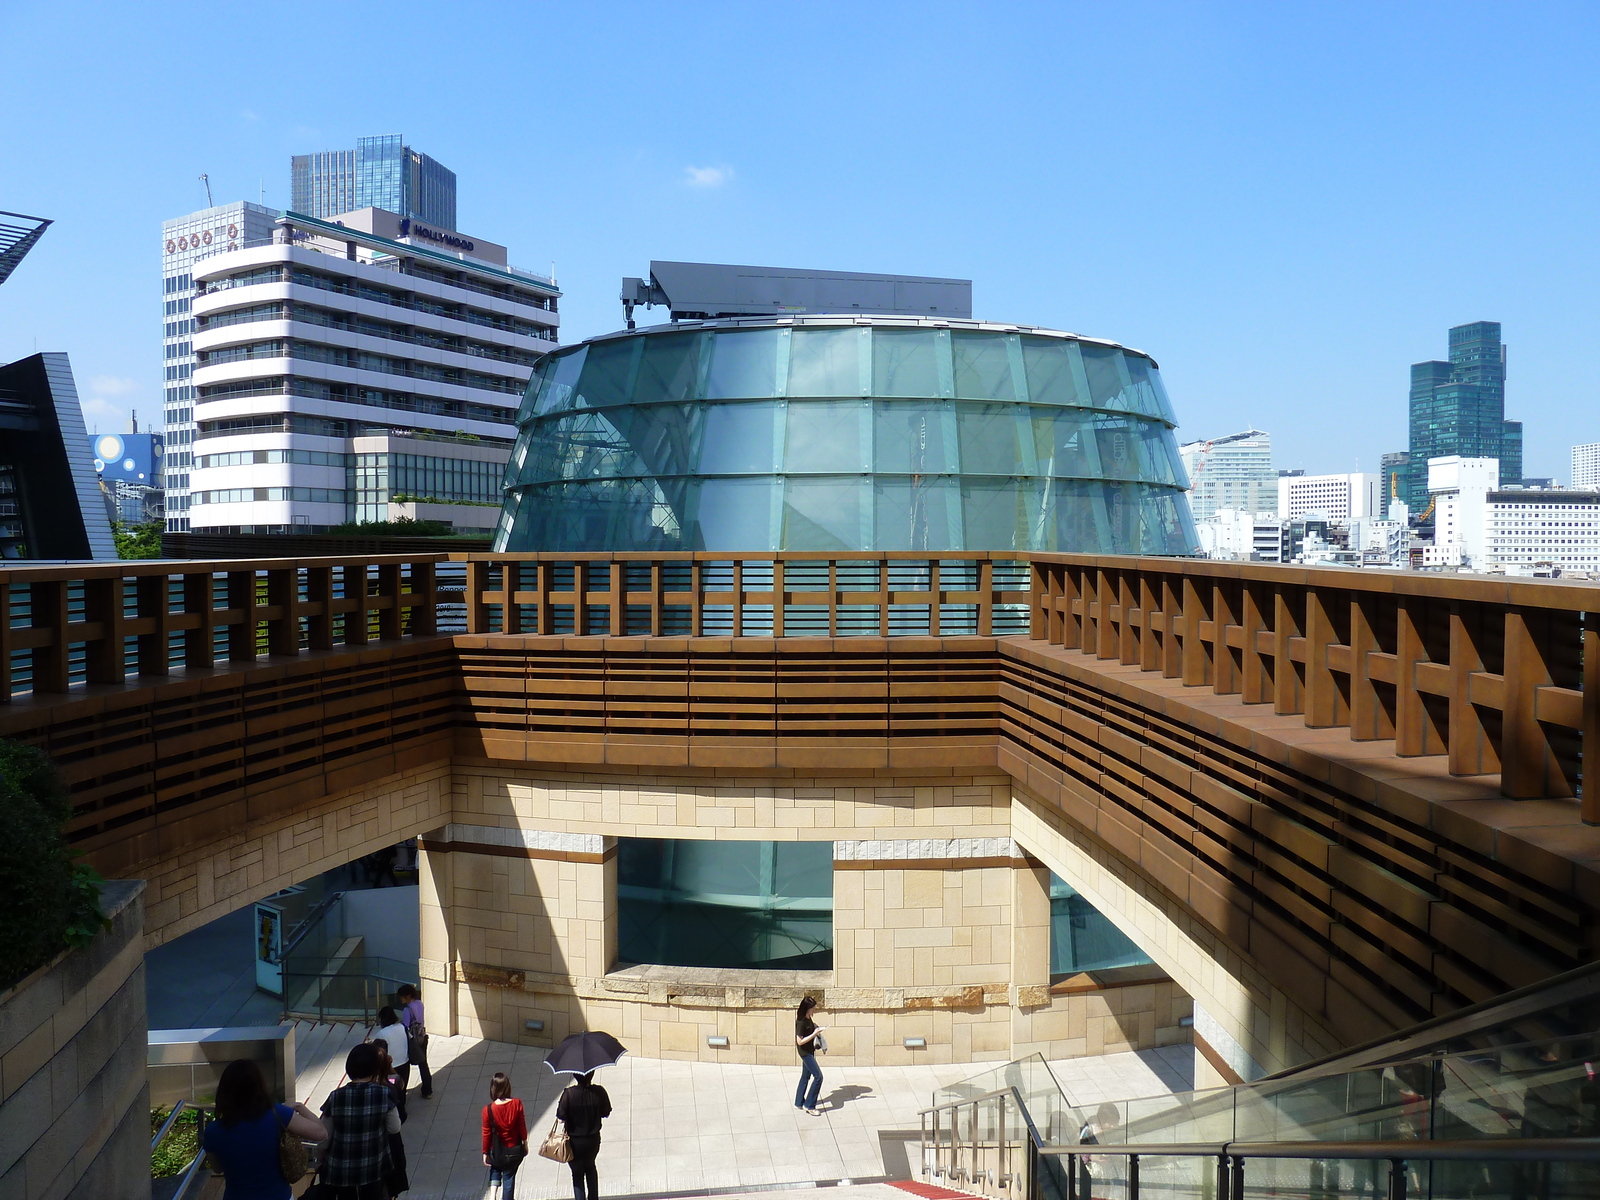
846,434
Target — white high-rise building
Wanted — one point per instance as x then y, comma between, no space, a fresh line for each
1337,497
1586,465
1233,472
355,364
184,242
1460,489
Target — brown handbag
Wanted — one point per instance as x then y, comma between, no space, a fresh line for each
293,1161
556,1145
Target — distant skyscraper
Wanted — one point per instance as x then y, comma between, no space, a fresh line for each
1233,472
1392,480
1586,465
381,172
1459,408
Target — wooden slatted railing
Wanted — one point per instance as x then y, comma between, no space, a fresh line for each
1500,675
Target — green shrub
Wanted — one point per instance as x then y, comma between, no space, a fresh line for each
46,902
178,1148
399,527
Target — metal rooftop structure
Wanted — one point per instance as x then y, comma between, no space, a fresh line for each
707,291
18,233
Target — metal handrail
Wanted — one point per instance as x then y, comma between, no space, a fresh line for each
1451,1150
172,1119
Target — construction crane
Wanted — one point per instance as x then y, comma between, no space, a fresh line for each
206,179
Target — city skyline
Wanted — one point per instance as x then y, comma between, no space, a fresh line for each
1275,214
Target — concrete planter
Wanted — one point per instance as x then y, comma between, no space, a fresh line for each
74,1106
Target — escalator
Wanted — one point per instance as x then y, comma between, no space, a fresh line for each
1502,1100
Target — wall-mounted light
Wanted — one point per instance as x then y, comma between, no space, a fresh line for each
717,1041
1186,1022
915,1043
535,1026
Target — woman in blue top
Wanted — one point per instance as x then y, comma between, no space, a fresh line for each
243,1140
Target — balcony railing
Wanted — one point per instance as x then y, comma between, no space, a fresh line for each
1500,676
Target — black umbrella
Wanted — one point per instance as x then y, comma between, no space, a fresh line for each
585,1052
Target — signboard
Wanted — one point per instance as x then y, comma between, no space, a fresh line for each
269,948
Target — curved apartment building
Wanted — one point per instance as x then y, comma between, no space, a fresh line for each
351,371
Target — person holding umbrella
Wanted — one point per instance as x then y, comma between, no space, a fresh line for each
584,1105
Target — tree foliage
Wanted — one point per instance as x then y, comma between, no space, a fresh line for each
137,541
46,902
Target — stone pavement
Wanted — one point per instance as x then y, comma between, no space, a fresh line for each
684,1127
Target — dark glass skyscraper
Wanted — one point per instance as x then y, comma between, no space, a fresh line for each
1459,407
381,172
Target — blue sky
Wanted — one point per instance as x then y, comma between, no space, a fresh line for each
1286,204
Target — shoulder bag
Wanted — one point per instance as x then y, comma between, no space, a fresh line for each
557,1147
293,1161
819,1043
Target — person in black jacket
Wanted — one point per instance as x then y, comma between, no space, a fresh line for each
581,1109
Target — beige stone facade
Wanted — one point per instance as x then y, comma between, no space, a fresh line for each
941,923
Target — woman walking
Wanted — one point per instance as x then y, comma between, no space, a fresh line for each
411,1016
393,1035
807,1035
360,1118
505,1135
581,1109
243,1140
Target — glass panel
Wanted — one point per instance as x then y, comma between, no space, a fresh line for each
1168,524
1122,514
734,514
1158,464
1064,443
904,363
826,437
607,371
983,366
1163,401
1103,366
1051,379
725,903
743,364
1081,937
802,869
668,367
911,438
916,514
825,362
824,513
992,439
1143,395
737,439
998,514
1121,450
561,377
1077,523
659,436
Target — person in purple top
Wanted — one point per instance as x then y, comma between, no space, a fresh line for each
243,1140
417,1034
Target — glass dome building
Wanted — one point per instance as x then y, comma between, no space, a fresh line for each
846,433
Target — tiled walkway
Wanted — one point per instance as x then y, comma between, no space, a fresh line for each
681,1127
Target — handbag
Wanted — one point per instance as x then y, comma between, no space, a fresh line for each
293,1161
557,1147
819,1043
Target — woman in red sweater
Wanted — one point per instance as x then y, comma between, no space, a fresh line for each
505,1135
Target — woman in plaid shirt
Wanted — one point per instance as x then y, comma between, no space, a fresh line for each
360,1116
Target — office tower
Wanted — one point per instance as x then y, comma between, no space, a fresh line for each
1392,479
344,370
184,242
50,504
1231,472
1458,408
381,172
1333,497
1586,465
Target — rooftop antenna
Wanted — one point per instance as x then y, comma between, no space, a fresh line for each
135,421
206,179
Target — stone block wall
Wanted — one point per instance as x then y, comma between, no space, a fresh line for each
941,924
74,1105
